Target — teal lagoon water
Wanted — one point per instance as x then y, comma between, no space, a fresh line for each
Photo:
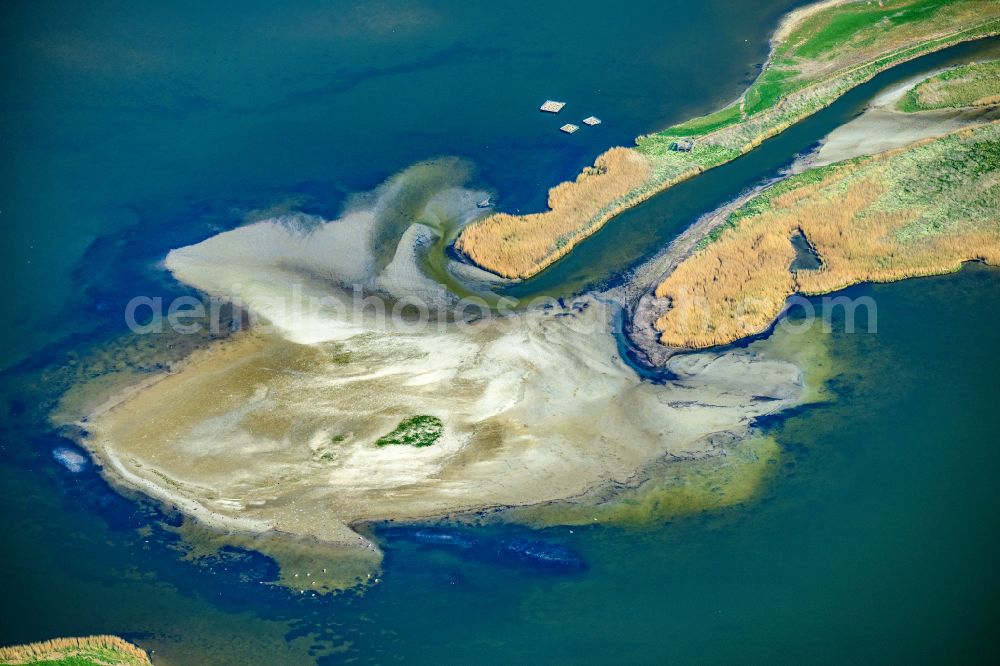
132,130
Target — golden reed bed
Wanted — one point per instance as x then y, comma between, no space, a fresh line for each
738,284
518,246
105,649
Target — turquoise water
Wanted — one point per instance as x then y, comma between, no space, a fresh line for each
132,130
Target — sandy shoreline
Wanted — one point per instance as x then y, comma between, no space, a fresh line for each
794,18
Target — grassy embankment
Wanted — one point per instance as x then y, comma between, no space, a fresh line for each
924,209
90,651
977,84
819,54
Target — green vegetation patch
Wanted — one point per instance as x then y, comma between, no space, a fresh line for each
670,164
952,181
702,125
774,82
860,23
970,85
74,661
416,431
844,33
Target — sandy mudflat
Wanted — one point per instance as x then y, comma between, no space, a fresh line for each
881,127
265,435
274,431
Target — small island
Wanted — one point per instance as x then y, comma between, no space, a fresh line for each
88,651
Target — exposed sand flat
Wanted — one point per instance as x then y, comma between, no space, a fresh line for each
274,432
881,127
264,434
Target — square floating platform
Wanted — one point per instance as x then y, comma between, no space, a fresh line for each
569,128
593,120
552,107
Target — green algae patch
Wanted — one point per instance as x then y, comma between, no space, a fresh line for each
416,431
693,486
674,489
807,344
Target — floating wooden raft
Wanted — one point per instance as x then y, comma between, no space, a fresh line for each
552,107
569,128
593,120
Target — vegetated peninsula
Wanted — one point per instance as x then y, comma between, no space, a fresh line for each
923,209
976,84
89,651
819,53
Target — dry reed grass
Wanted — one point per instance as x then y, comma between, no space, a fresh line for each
518,246
738,285
109,650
